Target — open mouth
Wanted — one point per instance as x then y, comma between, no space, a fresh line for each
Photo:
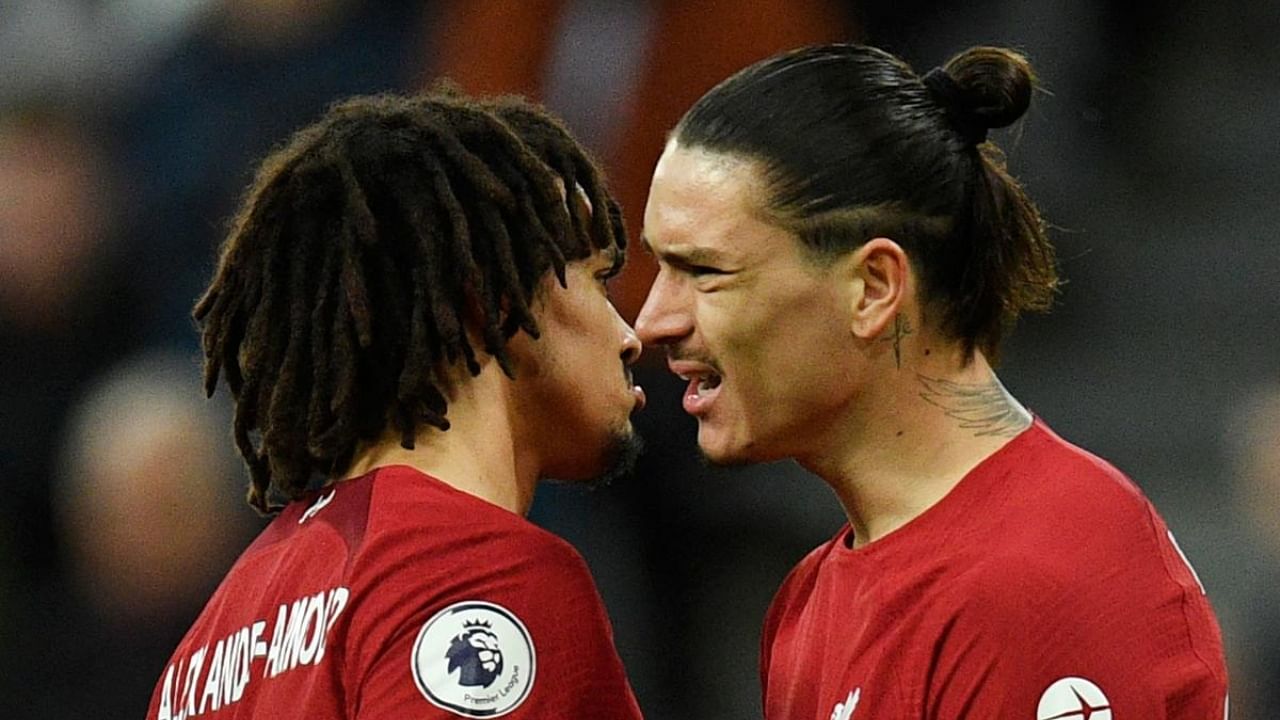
704,381
701,392
704,384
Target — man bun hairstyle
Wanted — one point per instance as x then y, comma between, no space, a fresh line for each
982,88
371,253
854,145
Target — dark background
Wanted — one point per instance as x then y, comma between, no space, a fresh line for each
129,127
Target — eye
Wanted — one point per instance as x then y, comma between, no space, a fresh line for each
603,277
704,270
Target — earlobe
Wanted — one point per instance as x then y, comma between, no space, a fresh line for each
880,270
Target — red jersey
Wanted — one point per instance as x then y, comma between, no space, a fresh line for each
1044,586
394,595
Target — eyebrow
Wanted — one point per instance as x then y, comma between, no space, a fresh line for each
616,259
685,255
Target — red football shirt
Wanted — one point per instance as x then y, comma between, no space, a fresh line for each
394,595
1044,586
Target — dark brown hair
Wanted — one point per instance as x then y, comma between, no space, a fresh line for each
854,145
368,253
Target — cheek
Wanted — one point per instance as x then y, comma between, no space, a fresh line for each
784,350
589,348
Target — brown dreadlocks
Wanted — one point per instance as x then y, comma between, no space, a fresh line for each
366,250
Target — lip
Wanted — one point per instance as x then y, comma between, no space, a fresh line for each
686,369
638,393
696,403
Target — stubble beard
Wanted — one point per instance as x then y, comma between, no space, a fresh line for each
623,452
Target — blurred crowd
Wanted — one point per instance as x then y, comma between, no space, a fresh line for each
128,128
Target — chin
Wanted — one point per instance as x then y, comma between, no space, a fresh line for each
616,459
726,460
728,453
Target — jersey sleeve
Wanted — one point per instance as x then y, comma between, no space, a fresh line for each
1031,638
519,632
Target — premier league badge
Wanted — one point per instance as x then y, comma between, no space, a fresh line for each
476,653
474,658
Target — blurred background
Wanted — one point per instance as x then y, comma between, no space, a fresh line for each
128,128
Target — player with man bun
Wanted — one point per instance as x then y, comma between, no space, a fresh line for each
841,251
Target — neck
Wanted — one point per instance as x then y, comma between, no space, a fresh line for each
478,454
914,435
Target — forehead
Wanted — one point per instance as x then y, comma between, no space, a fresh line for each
706,201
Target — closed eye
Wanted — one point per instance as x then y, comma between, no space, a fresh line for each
606,273
694,270
703,270
604,276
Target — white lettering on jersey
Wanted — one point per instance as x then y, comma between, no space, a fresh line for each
298,638
317,506
844,710
1187,562
166,708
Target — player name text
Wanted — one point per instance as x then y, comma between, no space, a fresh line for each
207,680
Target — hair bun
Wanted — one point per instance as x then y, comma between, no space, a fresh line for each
993,86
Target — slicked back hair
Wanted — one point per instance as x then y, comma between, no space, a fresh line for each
369,254
855,145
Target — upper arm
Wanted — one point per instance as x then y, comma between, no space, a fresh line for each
1040,640
528,636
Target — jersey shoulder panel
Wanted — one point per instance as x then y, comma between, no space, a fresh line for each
1077,582
479,610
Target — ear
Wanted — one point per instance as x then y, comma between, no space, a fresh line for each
881,271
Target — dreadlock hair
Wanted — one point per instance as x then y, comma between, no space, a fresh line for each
369,254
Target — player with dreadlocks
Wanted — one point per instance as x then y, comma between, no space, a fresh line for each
410,314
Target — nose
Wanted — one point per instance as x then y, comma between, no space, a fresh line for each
662,320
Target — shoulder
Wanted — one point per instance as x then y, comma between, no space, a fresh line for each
418,561
1061,502
1072,549
428,546
1073,472
1068,517
798,585
1027,617
466,538
1093,571
439,524
470,609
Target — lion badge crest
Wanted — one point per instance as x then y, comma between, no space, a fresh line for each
474,658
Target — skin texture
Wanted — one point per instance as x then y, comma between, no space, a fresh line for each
830,362
564,415
735,295
573,393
